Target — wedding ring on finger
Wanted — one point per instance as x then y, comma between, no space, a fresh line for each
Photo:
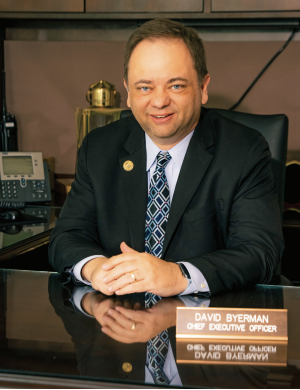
133,277
133,326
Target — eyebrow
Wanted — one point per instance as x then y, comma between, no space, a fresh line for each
168,82
143,82
177,79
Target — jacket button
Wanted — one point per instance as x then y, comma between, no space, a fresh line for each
203,285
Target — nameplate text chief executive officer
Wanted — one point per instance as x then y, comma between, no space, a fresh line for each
175,199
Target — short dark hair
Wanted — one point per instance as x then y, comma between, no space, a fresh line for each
166,28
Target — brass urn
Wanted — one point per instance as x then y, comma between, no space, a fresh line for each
101,94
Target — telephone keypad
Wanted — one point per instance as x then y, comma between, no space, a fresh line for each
6,190
38,189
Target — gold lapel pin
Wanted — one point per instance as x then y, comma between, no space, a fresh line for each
127,367
128,165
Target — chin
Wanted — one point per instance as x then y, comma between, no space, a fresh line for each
160,134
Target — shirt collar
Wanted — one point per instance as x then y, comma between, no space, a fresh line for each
177,152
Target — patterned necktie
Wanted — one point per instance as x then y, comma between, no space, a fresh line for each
156,221
158,207
157,348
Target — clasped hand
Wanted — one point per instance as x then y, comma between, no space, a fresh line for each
127,322
132,272
119,320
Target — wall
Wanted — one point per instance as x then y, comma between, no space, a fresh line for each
46,81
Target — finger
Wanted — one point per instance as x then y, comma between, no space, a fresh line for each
122,320
124,280
131,288
116,336
125,248
119,259
122,303
101,287
135,315
118,302
121,269
127,305
116,327
137,306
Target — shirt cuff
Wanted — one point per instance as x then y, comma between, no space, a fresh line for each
198,283
77,296
194,301
76,270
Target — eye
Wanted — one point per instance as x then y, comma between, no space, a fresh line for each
145,89
177,86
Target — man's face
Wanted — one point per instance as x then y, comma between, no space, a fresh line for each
163,90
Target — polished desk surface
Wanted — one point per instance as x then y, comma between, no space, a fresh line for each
18,238
47,342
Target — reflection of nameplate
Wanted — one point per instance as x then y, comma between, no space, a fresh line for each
227,323
267,353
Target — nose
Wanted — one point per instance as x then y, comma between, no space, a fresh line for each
160,98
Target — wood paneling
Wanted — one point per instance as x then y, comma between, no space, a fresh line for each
144,6
42,5
254,5
2,38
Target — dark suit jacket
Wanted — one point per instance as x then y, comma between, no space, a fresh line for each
224,217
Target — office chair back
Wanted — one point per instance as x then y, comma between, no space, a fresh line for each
275,130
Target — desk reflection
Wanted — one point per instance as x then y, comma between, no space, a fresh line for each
121,353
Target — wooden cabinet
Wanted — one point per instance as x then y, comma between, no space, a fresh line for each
254,5
41,5
220,12
134,6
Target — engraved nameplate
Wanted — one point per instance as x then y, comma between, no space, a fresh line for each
227,323
267,353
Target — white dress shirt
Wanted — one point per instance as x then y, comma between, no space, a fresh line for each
198,282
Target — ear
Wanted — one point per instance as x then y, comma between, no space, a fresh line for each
128,100
204,93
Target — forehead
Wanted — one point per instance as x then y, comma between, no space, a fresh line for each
161,58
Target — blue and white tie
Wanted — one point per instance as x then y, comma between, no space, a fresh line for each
158,209
157,348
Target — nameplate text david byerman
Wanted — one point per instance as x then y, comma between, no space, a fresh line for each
231,323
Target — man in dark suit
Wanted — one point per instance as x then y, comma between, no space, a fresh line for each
220,227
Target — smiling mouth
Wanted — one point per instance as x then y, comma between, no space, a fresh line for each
161,116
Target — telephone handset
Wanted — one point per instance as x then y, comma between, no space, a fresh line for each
24,178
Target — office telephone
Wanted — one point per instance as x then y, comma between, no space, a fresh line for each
24,178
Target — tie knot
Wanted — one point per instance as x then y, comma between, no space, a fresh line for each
163,160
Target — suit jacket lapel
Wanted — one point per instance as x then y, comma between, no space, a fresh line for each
135,185
194,167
